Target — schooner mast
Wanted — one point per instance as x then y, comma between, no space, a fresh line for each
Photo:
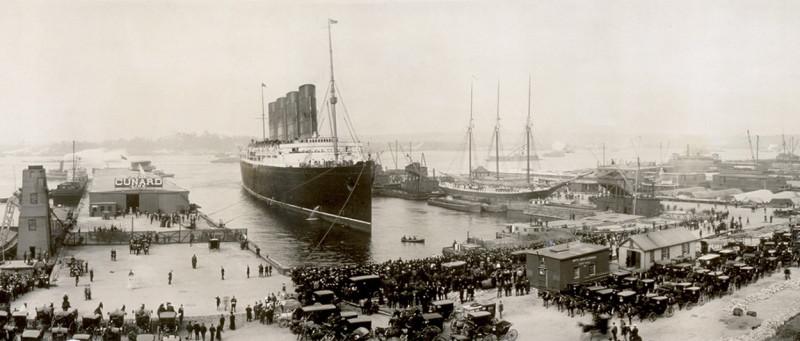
497,136
528,136
469,130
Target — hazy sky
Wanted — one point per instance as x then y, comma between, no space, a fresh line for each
92,70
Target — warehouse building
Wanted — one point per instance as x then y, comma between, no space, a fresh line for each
640,251
117,189
556,267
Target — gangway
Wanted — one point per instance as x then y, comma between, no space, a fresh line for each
5,228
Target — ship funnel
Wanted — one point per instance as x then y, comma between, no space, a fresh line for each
292,127
281,114
307,111
273,120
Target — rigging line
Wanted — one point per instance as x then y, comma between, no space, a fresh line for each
224,208
364,165
310,180
350,129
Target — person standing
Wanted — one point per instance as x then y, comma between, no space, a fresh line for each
500,309
614,331
219,333
196,329
203,331
222,272
91,275
194,261
249,312
189,331
213,331
233,304
221,322
260,270
232,325
169,278
180,315
218,301
248,270
625,330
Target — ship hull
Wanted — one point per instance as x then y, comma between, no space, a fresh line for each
341,194
69,194
496,197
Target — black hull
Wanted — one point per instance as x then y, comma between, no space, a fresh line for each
68,194
302,189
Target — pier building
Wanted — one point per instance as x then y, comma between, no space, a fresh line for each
574,263
116,189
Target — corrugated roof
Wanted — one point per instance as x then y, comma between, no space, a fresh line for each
569,250
659,239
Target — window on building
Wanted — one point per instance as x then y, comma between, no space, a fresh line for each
541,260
31,224
665,253
577,272
652,255
592,269
34,199
685,249
541,271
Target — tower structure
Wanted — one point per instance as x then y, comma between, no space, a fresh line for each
34,232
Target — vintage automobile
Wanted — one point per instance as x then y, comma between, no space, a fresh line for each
167,322
443,307
315,313
657,306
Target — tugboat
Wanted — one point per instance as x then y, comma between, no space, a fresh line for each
70,193
415,186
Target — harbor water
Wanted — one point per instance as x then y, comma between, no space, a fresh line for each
293,240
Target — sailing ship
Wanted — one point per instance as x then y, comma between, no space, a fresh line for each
303,172
474,190
70,193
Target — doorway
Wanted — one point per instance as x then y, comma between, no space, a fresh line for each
131,202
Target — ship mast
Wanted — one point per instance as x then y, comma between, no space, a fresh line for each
333,96
263,117
73,160
469,131
497,137
528,136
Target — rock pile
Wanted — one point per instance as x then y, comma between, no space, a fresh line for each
769,327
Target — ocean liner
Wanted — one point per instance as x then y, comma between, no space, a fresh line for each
299,170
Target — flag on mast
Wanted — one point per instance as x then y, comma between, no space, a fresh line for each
263,85
332,21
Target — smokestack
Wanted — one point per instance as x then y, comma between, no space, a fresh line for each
307,111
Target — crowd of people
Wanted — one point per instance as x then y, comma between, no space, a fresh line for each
418,282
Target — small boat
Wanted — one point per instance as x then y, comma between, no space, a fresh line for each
412,240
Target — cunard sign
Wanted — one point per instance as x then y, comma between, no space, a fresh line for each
138,182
